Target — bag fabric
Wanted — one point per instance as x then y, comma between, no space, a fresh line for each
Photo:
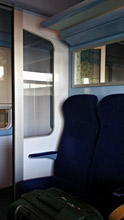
53,204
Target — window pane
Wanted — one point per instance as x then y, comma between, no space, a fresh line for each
5,55
3,118
5,75
87,66
38,85
5,67
115,61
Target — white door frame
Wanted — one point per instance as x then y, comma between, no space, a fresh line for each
24,167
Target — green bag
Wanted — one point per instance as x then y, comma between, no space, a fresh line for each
52,204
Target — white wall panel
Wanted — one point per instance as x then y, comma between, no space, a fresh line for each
18,96
43,167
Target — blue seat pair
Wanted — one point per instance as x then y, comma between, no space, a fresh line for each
90,158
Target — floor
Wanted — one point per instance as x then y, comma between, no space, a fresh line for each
6,198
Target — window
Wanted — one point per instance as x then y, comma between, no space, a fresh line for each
38,85
5,116
98,66
5,68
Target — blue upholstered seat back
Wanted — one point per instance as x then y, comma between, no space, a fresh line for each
78,141
107,172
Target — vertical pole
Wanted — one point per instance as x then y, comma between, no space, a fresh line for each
18,97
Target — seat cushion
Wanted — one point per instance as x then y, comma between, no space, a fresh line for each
23,187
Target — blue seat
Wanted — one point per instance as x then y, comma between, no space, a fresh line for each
76,149
107,170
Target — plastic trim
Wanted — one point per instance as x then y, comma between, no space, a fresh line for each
50,154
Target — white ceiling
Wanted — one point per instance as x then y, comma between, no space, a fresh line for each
43,7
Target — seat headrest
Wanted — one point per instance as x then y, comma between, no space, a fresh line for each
80,108
111,107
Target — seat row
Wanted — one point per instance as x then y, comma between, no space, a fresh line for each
90,156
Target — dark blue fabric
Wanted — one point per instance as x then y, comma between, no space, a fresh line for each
78,140
32,184
76,148
45,183
107,172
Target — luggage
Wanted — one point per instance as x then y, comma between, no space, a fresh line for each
51,204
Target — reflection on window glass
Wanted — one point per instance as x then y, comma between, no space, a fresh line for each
5,75
115,61
41,79
3,118
1,72
87,66
38,85
5,55
103,64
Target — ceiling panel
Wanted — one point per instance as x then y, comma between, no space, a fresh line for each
43,7
81,12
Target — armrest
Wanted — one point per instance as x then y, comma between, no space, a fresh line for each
119,192
50,154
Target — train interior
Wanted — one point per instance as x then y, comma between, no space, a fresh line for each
50,52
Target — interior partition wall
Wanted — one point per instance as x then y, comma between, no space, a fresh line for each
39,66
45,91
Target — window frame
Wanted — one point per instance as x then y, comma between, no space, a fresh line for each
102,46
